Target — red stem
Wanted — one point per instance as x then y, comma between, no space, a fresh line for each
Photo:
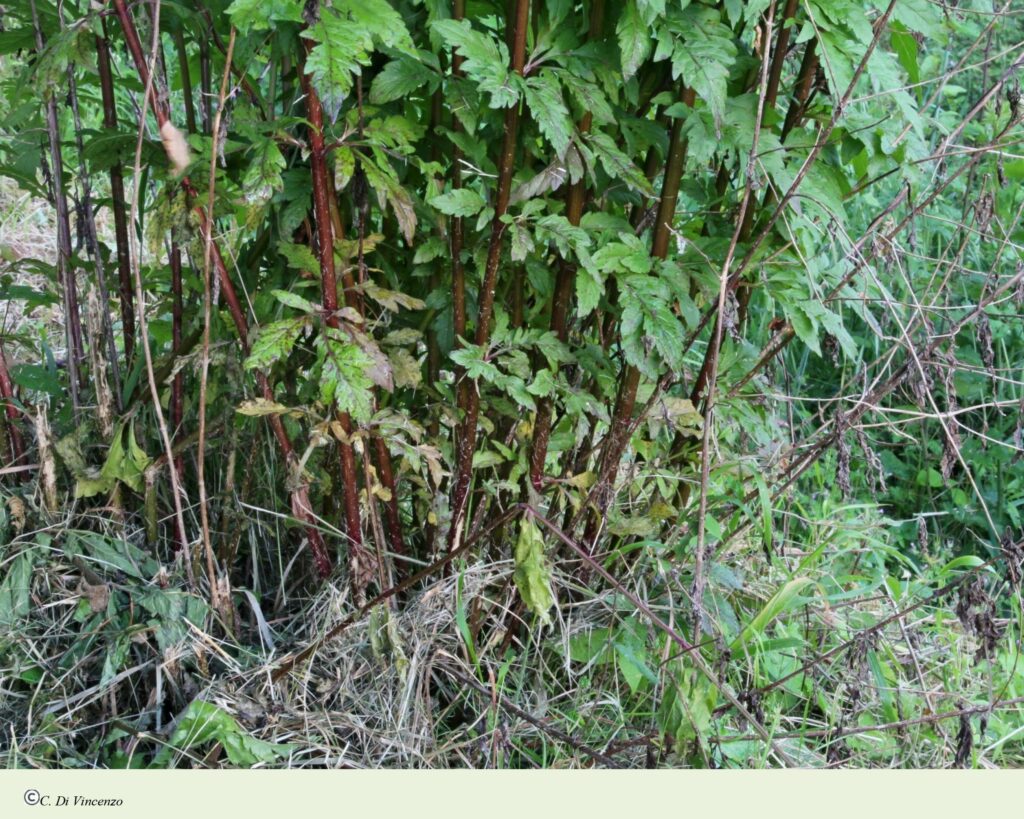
126,290
619,431
458,273
301,507
66,273
178,384
14,439
561,299
466,443
322,192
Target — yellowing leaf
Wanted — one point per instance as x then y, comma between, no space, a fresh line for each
261,406
532,575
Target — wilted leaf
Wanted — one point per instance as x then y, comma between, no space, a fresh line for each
532,575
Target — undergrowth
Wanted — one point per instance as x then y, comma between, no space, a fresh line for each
476,384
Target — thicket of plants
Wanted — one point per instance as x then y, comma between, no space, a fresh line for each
428,383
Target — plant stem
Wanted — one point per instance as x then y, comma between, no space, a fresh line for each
126,294
178,384
561,299
65,271
456,235
186,79
322,191
15,441
619,431
299,490
92,241
470,398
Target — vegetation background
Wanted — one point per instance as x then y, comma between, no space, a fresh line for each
511,384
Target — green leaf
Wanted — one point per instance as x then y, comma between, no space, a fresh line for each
905,46
593,645
392,300
804,326
398,79
345,36
617,164
15,601
111,553
258,15
634,39
295,300
343,375
125,463
383,180
485,60
339,51
627,256
545,101
471,358
918,15
405,368
532,575
783,600
703,53
462,202
257,407
588,97
589,287
299,257
204,722
263,176
274,342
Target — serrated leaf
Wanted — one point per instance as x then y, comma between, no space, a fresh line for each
616,164
343,376
383,180
485,60
294,300
299,257
261,406
258,15
471,358
263,176
703,53
532,575
398,79
345,36
545,101
634,39
461,202
274,342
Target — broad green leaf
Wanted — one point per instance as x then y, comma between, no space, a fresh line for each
15,601
295,300
343,376
274,342
545,101
532,575
299,257
635,41
463,202
398,79
263,176
259,15
485,60
125,462
703,53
